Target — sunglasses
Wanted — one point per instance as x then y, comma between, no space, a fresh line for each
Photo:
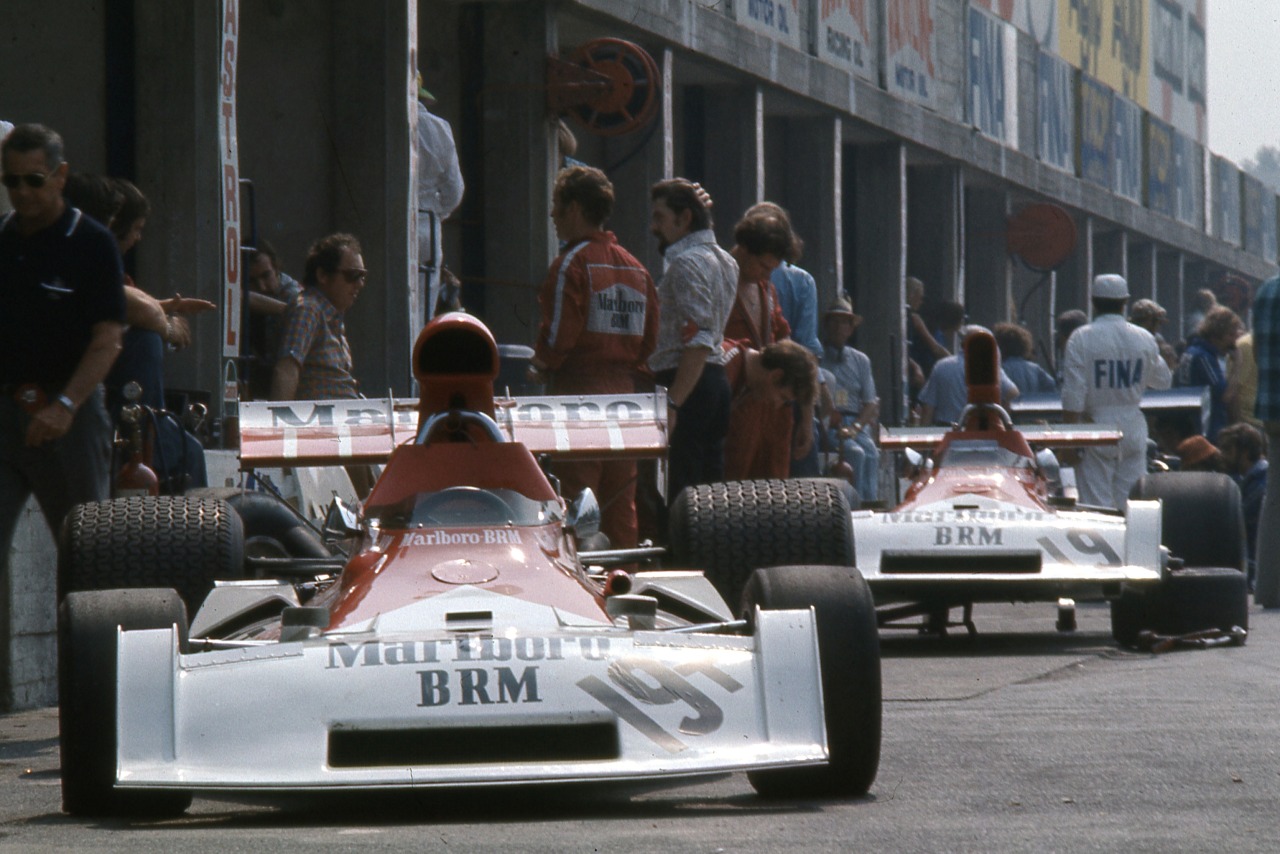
353,276
34,180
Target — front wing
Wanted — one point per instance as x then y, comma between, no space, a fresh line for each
990,551
464,710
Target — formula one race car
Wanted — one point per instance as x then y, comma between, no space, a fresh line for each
461,640
985,520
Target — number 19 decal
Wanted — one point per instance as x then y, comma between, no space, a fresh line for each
652,683
1086,543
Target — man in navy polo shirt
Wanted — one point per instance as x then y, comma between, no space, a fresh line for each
61,320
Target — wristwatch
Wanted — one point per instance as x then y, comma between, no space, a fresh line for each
66,403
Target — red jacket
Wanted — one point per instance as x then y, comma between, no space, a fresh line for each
770,326
759,440
599,312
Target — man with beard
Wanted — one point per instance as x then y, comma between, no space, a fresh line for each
695,294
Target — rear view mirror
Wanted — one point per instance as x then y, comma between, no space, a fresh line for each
583,516
340,521
1052,470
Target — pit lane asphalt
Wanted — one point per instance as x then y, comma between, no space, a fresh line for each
1019,740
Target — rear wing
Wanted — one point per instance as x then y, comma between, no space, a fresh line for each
1037,436
339,432
1188,400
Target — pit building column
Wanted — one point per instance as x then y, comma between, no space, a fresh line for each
877,246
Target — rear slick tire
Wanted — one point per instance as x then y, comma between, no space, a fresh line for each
87,644
730,529
178,541
1192,599
1202,517
849,656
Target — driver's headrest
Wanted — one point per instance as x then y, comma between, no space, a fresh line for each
455,361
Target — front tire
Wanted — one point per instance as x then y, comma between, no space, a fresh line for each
849,655
87,644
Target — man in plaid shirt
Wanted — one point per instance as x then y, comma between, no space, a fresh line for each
314,362
1266,352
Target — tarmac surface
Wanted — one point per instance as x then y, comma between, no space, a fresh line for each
1021,739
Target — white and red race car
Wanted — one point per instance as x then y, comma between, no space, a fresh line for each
460,639
984,520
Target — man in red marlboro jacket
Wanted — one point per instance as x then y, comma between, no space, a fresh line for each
599,325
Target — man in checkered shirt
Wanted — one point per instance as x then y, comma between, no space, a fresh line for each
314,362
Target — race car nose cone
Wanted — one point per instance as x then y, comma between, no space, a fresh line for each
464,571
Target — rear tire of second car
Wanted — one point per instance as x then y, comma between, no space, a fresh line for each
1203,528
1189,600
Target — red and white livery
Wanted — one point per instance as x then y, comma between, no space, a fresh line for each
459,641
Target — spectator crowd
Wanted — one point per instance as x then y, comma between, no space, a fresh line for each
761,381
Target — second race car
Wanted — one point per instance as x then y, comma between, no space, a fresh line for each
985,520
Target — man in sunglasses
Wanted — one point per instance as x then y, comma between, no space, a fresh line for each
314,361
62,314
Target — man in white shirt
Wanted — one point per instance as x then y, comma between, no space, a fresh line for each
1107,366
440,189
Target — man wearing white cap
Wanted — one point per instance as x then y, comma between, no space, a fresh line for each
1108,364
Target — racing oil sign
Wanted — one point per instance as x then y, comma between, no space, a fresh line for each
911,50
846,35
778,19
229,156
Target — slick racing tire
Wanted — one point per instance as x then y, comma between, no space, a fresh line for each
1202,517
177,541
271,529
1191,599
87,641
728,530
849,654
